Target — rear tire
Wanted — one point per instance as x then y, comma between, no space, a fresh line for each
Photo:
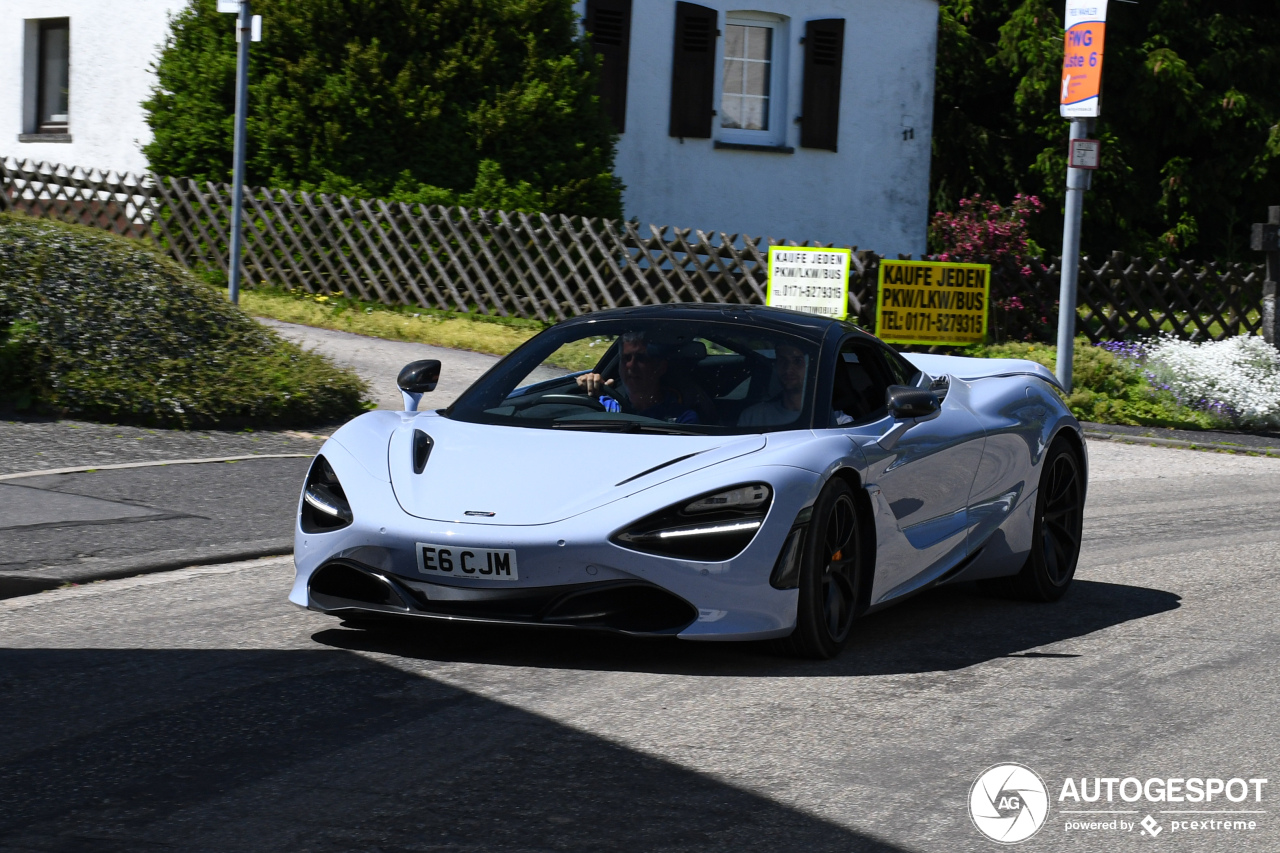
1055,538
830,576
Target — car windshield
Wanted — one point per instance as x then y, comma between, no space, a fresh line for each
669,377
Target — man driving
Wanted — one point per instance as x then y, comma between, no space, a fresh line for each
644,390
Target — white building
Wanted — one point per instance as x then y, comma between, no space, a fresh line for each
796,119
73,76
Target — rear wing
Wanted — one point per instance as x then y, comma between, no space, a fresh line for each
969,369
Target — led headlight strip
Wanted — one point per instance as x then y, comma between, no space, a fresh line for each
712,528
324,503
704,531
324,500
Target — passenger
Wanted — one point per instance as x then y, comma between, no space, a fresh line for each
790,369
644,390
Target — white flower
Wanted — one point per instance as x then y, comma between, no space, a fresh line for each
1237,377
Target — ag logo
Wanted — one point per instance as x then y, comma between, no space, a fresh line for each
1008,803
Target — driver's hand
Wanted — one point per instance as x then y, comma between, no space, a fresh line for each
594,384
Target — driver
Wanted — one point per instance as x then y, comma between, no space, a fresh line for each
644,389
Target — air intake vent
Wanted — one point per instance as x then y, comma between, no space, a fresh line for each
422,445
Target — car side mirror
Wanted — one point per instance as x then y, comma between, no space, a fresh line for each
908,406
416,379
905,402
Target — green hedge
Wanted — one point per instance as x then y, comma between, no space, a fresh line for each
1107,389
105,328
480,103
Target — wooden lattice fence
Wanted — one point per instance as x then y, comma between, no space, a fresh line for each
552,267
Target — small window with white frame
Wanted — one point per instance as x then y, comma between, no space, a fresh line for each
53,76
753,79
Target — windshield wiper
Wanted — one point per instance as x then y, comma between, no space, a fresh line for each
625,426
596,426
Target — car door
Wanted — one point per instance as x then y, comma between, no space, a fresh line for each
919,485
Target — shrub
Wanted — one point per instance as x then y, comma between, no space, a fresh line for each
106,328
1236,380
982,231
1108,387
482,103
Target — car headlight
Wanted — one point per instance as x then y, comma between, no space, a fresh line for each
324,503
709,528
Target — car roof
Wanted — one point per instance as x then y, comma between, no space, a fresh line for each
812,326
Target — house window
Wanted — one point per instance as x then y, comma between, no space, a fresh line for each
745,100
752,86
53,71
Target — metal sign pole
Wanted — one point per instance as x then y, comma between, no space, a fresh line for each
244,25
1084,35
1077,182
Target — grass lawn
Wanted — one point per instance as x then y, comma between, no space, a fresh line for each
496,336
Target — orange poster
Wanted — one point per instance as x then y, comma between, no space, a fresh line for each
1086,26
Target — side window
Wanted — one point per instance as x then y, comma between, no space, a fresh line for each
903,371
861,379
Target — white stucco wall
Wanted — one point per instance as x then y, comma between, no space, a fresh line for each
113,45
872,193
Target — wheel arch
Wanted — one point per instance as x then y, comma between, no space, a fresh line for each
866,535
1072,437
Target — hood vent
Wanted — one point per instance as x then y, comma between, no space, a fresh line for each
658,467
422,445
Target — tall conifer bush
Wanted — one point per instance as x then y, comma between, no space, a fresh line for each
486,103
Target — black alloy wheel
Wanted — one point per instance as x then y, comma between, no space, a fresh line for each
1055,539
829,576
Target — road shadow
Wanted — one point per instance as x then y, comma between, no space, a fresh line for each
228,750
945,629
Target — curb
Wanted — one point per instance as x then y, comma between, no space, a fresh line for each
160,463
13,584
1214,447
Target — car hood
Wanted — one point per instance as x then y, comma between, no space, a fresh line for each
538,476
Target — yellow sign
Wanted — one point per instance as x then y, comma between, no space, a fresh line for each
815,281
922,302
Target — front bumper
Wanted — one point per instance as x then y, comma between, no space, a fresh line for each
570,574
346,588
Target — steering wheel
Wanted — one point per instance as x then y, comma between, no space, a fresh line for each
568,400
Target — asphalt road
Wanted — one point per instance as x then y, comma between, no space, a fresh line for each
71,527
379,362
113,523
198,710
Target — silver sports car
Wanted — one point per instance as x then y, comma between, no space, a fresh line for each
713,472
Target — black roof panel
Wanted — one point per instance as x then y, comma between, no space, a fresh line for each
811,326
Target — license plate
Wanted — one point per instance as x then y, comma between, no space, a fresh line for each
490,564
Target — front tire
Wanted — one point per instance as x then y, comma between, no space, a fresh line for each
1055,539
830,576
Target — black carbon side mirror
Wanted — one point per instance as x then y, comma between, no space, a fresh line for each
419,377
905,402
